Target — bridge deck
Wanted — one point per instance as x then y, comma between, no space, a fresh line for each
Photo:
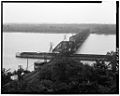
89,57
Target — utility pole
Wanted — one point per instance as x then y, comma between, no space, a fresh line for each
27,64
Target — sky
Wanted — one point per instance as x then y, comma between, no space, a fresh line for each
104,12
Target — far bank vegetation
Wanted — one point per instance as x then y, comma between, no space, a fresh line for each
60,28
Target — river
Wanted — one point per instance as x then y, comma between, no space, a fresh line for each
40,42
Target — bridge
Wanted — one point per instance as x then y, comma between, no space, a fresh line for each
66,49
86,57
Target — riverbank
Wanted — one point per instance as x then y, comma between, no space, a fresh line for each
60,28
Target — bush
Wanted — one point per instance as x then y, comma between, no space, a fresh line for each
64,75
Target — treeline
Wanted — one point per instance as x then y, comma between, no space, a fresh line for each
61,28
64,75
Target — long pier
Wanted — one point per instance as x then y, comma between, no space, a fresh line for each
87,57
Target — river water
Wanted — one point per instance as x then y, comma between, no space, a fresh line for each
98,44
40,42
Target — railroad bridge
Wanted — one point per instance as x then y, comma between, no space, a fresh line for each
86,57
66,49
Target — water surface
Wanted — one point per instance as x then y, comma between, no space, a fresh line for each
40,42
98,44
27,42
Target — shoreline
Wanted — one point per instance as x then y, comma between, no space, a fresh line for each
58,32
60,28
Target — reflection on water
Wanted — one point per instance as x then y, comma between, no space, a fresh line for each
40,42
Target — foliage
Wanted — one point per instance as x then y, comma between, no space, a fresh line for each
64,75
5,76
60,28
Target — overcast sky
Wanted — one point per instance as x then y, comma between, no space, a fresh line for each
60,12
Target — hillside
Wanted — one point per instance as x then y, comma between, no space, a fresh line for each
65,75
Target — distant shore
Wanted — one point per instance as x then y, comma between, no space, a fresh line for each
60,28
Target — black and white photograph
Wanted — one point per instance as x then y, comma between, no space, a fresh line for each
59,47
